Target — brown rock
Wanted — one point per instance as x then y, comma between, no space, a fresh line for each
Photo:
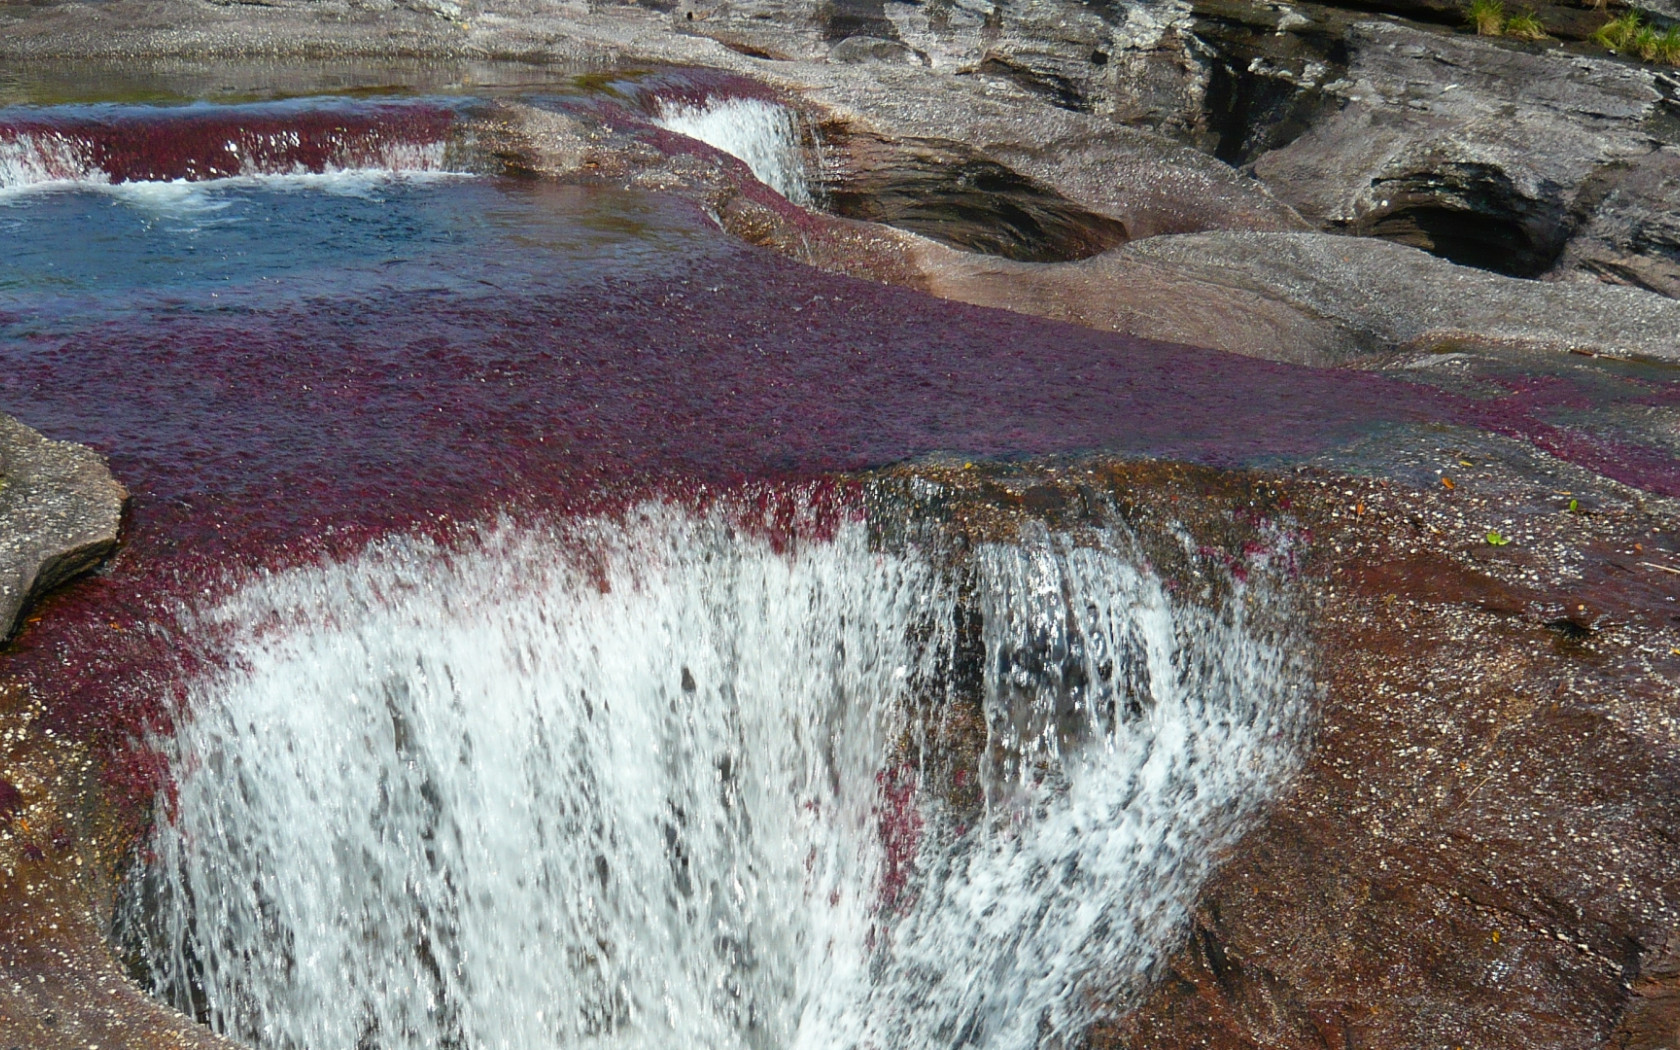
60,510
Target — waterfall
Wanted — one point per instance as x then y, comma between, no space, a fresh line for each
762,134
97,146
655,780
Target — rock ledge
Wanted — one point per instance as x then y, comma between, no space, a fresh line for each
60,510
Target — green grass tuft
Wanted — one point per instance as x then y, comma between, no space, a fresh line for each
1645,43
1668,46
1488,16
1526,26
1618,33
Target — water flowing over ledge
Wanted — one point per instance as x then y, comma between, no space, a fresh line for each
117,145
661,780
762,134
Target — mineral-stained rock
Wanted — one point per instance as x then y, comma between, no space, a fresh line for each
60,510
1472,150
1631,234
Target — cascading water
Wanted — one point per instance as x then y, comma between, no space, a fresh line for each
92,146
656,781
762,134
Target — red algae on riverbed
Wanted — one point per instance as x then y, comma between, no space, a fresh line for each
253,432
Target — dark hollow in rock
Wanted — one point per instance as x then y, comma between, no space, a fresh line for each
1060,90
956,195
1264,82
1472,215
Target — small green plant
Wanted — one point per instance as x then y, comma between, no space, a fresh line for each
1488,16
1574,506
1668,46
1495,539
1526,26
1630,35
1618,33
1645,43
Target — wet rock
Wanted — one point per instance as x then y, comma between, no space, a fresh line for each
1631,233
950,192
1477,853
60,510
1465,148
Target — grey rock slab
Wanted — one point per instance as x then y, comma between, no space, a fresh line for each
1397,297
1121,291
1437,125
1145,181
1631,233
60,510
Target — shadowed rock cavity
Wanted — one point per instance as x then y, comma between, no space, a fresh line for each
953,194
1471,214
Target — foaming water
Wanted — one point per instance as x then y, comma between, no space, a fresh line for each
652,781
81,146
762,134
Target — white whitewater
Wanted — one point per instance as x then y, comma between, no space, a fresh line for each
43,160
762,134
617,785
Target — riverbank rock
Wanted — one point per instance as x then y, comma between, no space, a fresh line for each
60,512
1631,230
1465,148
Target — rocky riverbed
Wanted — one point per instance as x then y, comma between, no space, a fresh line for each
1478,851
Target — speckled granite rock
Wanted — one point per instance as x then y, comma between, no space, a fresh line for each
1631,230
60,510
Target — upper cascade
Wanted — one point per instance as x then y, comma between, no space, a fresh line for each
764,135
109,145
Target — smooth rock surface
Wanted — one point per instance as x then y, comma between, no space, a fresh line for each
1396,297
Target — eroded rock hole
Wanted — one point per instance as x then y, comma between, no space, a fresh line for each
813,793
950,193
1470,215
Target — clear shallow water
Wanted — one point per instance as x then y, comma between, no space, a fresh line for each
261,243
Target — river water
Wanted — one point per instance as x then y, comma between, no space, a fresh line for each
490,704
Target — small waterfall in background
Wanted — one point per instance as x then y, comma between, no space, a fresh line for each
657,781
102,146
762,134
